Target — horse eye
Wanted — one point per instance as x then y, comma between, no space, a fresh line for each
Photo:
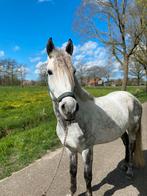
50,72
74,71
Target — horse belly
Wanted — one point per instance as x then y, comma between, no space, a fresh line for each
112,125
107,135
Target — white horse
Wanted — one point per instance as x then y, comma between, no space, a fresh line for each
84,121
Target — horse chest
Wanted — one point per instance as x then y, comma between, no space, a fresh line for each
76,140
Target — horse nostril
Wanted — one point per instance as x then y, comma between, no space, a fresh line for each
63,107
77,107
69,109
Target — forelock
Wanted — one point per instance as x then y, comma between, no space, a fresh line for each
62,62
62,58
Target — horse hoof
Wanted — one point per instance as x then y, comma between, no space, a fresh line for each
129,174
124,166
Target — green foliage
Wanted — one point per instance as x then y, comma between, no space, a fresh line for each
27,124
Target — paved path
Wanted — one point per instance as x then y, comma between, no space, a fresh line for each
107,178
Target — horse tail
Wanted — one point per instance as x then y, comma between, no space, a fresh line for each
138,152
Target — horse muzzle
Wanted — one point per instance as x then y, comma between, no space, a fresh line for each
68,108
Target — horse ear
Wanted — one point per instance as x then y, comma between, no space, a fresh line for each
69,47
50,46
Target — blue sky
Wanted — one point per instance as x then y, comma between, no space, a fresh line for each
26,26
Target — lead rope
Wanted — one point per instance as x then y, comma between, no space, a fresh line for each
59,163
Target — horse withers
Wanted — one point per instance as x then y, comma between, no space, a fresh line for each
84,121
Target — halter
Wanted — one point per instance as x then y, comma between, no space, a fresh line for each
59,99
67,94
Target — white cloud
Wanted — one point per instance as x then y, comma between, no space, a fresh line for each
43,51
90,45
102,2
64,45
43,1
78,57
90,54
16,48
34,59
39,64
40,67
38,56
2,53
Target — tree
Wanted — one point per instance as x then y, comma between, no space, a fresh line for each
141,56
106,72
1,72
42,72
122,24
11,72
8,71
84,71
21,73
81,72
108,69
94,72
141,51
137,71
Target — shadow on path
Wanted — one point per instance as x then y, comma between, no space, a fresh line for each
118,179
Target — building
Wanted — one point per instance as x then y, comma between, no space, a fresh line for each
86,81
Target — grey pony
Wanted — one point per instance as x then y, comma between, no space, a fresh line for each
89,120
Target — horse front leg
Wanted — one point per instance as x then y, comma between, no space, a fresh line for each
88,160
73,171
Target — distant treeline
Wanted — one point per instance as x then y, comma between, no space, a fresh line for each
12,72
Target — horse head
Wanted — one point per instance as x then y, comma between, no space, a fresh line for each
61,80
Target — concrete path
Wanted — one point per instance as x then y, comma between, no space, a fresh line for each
107,178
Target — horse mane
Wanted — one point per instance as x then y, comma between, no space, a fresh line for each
82,93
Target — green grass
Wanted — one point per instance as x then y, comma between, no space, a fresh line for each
27,127
27,124
22,108
20,149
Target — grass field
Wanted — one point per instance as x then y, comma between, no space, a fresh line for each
27,124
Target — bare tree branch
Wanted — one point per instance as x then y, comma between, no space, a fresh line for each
124,27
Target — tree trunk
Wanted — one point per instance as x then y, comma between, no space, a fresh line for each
81,80
125,78
138,81
146,80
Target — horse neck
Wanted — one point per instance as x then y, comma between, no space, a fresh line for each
81,93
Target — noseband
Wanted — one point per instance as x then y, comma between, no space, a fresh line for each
64,95
67,94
